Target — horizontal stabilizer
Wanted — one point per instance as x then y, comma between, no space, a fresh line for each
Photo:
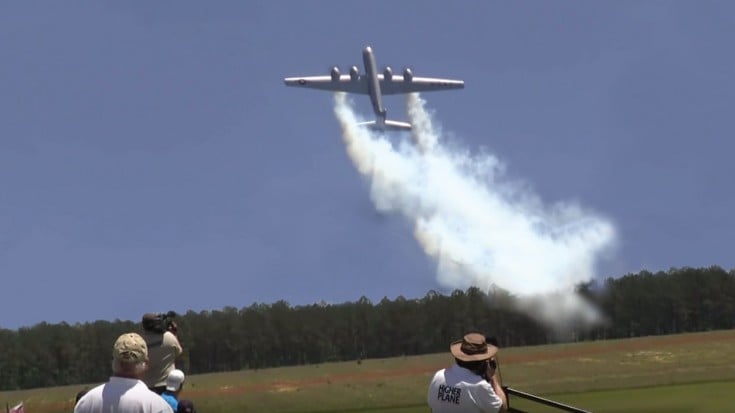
391,125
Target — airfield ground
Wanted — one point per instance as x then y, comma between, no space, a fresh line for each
687,372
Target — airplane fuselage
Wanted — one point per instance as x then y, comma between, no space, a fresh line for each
371,75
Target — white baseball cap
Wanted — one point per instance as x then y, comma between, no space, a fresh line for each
174,380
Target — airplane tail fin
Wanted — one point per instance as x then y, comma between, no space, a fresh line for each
390,125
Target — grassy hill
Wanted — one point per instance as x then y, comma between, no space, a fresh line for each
687,372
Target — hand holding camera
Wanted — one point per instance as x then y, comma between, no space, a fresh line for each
490,367
173,327
161,322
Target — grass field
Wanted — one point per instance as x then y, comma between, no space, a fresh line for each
688,372
711,397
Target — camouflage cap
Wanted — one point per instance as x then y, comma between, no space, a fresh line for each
130,348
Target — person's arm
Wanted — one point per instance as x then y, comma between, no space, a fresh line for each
494,379
179,349
173,341
497,386
431,393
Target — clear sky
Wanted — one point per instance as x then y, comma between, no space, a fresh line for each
152,159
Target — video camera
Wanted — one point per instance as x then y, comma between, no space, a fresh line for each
160,322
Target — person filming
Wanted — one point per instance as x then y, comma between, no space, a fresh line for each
471,384
159,332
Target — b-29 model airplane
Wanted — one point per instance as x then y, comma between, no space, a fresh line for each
376,85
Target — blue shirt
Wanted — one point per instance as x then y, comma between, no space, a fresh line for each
170,399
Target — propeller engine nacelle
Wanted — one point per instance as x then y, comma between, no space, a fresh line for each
335,74
388,74
354,73
407,74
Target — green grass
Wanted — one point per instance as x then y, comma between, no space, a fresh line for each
685,398
697,397
688,372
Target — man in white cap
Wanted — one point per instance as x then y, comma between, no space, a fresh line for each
174,384
124,392
470,385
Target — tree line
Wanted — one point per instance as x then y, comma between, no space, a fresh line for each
279,334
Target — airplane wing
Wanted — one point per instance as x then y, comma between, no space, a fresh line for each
344,84
399,85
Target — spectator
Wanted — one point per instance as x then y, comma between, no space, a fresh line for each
174,384
186,406
124,392
159,332
470,385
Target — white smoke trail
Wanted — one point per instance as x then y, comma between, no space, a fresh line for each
481,229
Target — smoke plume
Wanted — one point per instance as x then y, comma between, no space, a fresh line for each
481,228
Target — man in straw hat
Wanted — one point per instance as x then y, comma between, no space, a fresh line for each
470,385
125,392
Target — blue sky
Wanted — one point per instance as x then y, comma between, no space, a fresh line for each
152,159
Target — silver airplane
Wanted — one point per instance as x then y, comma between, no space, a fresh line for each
376,85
